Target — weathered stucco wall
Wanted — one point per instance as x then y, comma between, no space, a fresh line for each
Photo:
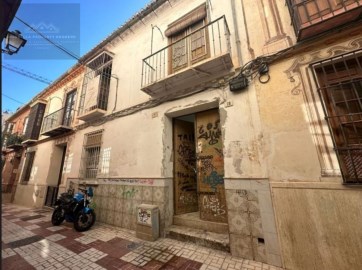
319,228
279,161
317,217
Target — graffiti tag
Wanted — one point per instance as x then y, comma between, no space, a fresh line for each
213,180
129,193
212,203
211,133
187,198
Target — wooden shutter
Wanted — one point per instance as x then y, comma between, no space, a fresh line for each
198,41
35,121
178,52
196,15
28,166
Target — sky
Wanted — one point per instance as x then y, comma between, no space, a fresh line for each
77,25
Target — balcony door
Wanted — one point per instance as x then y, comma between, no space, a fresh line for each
69,108
188,39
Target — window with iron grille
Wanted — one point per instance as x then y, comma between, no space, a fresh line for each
29,160
96,84
339,83
91,154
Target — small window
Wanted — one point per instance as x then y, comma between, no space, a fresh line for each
10,128
25,124
91,154
340,88
29,160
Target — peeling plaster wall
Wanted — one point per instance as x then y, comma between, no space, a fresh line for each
315,213
278,169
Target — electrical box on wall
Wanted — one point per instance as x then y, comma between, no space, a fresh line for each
238,83
148,225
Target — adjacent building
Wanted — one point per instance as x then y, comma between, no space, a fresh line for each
50,128
244,129
12,151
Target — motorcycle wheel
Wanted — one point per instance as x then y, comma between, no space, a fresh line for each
57,216
84,221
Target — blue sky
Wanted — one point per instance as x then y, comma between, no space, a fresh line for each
79,25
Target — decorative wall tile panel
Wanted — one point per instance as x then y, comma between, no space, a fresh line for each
118,217
112,190
111,203
238,224
119,191
147,193
110,217
241,246
158,194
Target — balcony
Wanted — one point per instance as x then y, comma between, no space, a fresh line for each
312,17
197,58
91,113
57,123
13,141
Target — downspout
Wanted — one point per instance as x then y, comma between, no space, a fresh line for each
115,102
236,31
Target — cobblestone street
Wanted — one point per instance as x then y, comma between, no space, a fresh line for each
29,241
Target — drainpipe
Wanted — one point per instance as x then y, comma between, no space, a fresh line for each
115,102
236,30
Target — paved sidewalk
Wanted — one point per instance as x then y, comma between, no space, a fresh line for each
30,241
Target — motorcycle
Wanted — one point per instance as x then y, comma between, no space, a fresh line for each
75,208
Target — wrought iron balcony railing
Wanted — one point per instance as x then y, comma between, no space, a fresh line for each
194,49
57,122
312,17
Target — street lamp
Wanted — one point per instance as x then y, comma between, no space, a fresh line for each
13,42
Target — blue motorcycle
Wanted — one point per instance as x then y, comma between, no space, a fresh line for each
75,208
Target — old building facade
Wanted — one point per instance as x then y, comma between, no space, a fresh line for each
228,118
12,151
50,128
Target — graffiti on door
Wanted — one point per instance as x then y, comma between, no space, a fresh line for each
213,180
211,133
212,205
210,164
185,167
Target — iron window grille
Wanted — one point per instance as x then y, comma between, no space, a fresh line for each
99,71
339,82
28,166
91,154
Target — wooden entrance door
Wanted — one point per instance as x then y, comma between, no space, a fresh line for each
186,200
210,167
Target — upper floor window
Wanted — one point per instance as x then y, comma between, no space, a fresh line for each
96,84
35,120
186,51
29,160
25,124
340,88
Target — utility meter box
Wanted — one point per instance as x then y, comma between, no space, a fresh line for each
148,224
